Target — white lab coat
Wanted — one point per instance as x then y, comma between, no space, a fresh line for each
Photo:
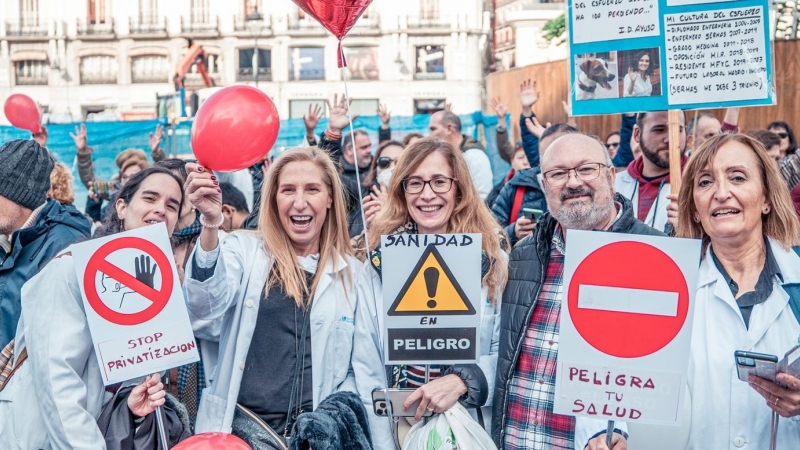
628,187
337,348
480,169
726,412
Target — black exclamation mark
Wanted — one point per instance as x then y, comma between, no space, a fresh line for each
431,275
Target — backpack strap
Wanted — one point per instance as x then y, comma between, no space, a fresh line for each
519,196
794,293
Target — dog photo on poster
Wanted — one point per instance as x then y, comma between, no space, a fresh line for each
596,75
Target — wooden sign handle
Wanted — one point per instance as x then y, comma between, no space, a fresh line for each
673,120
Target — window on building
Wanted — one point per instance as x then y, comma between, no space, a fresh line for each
299,108
31,72
149,69
29,12
148,11
362,63
97,11
364,107
247,62
199,11
307,63
252,7
430,62
98,69
429,105
429,9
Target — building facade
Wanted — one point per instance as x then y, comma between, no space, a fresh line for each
107,59
518,38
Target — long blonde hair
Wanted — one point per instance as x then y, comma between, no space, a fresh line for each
334,239
780,224
470,214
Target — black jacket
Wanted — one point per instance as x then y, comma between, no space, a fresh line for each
527,265
533,198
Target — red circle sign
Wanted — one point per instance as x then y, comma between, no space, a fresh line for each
628,265
98,263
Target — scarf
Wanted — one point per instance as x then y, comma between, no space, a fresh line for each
188,233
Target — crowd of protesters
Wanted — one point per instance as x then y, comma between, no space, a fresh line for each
281,269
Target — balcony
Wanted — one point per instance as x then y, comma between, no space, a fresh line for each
306,26
98,30
98,78
428,22
31,73
30,27
148,26
260,24
200,25
367,25
246,74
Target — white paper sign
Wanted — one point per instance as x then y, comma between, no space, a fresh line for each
716,55
431,298
134,303
608,20
626,322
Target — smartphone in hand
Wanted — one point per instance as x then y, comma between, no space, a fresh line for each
758,364
532,214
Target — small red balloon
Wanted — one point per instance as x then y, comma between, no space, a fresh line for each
212,441
337,16
234,129
23,112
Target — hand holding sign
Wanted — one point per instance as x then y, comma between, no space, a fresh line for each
147,396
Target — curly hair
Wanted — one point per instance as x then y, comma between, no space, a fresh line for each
61,185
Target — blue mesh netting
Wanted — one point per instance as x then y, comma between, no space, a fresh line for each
109,138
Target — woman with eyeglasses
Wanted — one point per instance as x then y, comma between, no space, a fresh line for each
431,192
785,132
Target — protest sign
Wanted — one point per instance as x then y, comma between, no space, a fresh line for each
134,303
656,55
431,298
626,322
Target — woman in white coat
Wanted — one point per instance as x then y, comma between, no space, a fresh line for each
287,297
637,81
56,396
734,199
431,192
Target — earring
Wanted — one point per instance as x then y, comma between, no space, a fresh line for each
766,210
697,219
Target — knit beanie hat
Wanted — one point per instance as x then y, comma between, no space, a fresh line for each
25,168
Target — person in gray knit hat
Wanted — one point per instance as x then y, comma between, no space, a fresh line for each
33,228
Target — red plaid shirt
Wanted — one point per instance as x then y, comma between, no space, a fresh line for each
530,422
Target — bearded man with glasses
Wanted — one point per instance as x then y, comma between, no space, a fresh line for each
578,180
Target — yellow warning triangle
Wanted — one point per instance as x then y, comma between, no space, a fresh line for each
431,290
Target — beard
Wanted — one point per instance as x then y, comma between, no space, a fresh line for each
653,156
583,216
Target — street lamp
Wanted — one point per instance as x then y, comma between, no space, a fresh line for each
255,23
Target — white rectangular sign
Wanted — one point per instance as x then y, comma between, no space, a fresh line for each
432,304
626,323
134,303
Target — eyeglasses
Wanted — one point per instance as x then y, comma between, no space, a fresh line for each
384,162
439,185
584,172
612,144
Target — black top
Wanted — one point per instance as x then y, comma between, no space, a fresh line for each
763,285
269,373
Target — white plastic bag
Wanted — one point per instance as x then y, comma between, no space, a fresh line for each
452,430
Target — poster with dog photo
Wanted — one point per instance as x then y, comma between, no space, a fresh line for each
595,76
639,72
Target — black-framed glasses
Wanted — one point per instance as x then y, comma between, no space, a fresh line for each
439,185
384,162
584,172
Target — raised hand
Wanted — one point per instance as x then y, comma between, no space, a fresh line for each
147,396
535,127
528,94
202,190
155,139
338,120
311,119
632,74
80,138
144,272
41,136
385,116
499,107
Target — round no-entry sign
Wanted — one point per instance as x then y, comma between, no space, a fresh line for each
157,297
628,299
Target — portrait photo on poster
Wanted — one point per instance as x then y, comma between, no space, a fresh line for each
639,72
595,76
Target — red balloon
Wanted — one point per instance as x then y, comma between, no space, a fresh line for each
337,16
23,112
212,441
234,129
